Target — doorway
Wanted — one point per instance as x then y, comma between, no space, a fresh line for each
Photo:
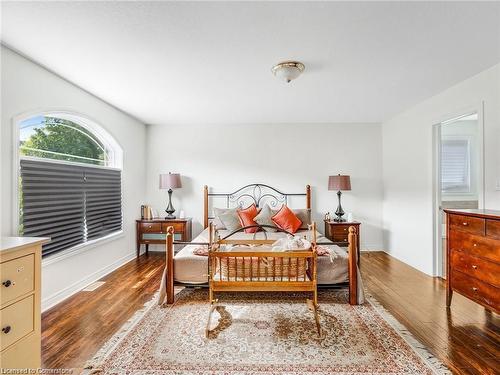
459,177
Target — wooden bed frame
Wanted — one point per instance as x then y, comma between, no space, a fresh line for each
259,194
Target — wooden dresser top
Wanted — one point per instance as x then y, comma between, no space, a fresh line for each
488,214
15,243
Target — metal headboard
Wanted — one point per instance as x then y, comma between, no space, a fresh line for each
259,194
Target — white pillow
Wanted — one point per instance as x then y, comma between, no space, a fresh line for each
227,218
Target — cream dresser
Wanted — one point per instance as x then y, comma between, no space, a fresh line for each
20,267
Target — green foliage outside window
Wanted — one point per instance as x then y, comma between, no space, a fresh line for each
62,139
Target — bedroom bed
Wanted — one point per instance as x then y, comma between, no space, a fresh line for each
336,268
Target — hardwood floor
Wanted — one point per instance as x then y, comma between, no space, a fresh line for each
466,337
75,329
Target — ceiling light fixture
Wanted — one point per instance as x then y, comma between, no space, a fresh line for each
288,70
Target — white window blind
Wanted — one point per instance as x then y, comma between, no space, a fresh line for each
455,165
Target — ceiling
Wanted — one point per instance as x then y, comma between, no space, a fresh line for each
180,62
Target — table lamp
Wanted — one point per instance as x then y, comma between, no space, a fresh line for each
339,183
170,181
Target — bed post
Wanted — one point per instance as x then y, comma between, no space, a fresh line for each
205,206
353,266
308,197
170,265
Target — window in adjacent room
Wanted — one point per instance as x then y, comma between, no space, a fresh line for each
455,165
69,185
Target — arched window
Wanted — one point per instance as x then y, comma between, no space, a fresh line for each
69,180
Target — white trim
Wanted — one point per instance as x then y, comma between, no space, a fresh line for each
77,249
60,154
438,266
55,161
67,292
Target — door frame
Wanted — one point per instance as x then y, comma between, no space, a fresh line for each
438,264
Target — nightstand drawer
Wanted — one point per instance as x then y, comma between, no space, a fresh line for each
151,227
17,277
340,237
178,227
16,321
340,230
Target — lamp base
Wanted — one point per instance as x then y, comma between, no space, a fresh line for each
339,212
170,208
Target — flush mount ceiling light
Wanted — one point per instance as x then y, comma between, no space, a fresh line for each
288,70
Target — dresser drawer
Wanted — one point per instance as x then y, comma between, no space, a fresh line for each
474,289
150,227
25,354
493,229
475,245
473,225
478,268
17,277
16,321
178,227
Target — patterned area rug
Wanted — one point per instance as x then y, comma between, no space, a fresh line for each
254,334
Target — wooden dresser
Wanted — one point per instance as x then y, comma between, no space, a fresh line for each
20,267
473,256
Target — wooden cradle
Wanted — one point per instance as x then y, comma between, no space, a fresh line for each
255,267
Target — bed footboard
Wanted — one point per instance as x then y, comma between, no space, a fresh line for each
170,265
353,266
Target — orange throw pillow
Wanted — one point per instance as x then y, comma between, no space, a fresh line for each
246,218
287,220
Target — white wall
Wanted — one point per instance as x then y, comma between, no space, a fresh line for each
287,156
407,142
27,87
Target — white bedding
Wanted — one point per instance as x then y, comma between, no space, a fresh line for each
193,269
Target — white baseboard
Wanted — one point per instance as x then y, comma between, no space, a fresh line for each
61,295
372,247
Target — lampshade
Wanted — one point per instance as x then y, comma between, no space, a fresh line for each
170,181
339,182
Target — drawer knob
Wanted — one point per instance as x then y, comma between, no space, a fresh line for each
474,266
7,283
465,224
475,245
149,226
474,289
6,329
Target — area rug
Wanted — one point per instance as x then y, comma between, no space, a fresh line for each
263,334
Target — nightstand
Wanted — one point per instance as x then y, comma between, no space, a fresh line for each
155,231
338,232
